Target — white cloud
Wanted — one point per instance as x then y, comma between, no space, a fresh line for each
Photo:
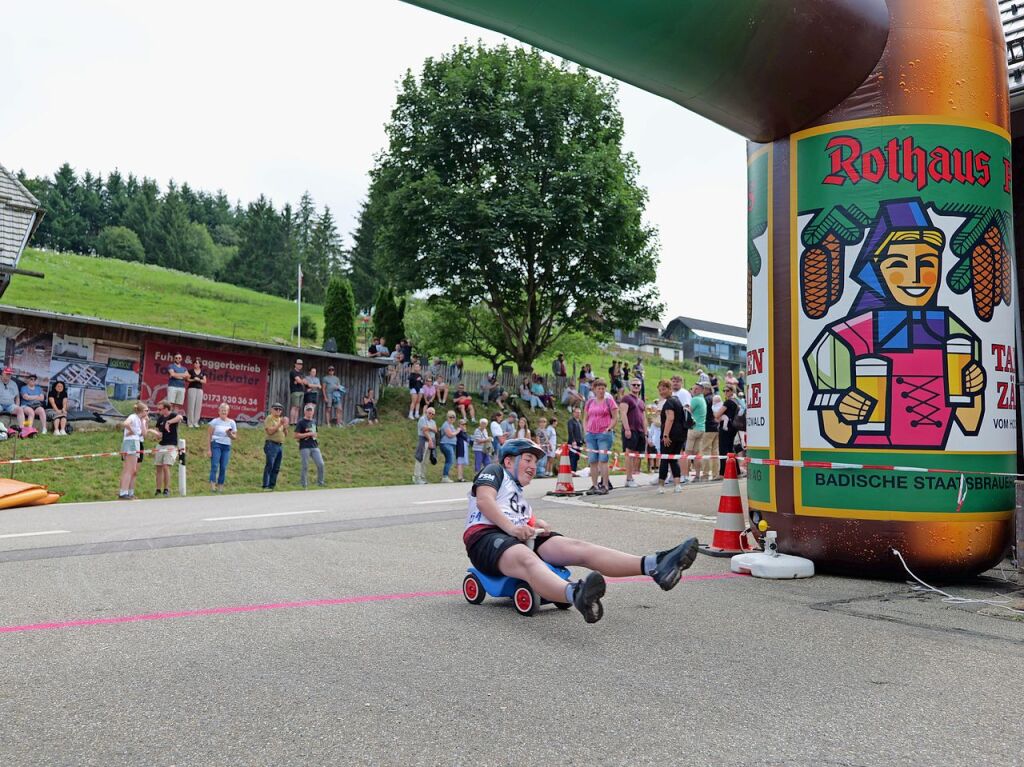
257,97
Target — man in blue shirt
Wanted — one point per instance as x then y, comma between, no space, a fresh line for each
177,377
33,402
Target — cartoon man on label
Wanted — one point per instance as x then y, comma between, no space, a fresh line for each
898,370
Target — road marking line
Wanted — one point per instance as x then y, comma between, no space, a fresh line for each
442,500
274,514
41,532
362,599
641,509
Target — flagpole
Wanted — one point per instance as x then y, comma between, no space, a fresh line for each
298,332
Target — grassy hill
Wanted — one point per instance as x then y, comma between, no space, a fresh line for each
142,293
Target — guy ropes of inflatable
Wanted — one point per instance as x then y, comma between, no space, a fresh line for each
881,272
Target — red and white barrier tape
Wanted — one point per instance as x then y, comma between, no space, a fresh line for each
791,464
16,461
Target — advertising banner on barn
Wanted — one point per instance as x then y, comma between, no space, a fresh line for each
240,380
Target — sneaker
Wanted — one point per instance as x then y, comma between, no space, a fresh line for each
683,480
631,483
655,481
602,490
586,597
661,489
593,491
446,480
167,491
159,492
670,564
678,488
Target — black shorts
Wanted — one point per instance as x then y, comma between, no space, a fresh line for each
486,550
637,443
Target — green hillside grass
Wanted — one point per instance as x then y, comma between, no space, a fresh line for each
152,295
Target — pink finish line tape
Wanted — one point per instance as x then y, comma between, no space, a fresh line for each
282,606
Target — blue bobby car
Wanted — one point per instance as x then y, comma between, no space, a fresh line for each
476,585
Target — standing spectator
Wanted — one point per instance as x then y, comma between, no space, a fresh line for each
449,441
461,451
309,448
275,427
497,432
442,389
223,432
482,446
575,428
194,394
709,443
382,347
58,401
601,415
415,385
695,437
509,425
429,392
33,402
463,402
653,443
177,374
638,372
136,428
333,392
523,429
559,372
584,387
634,430
10,398
167,449
426,432
405,350
314,391
455,371
547,438
727,426
371,350
673,429
296,391
370,406
732,380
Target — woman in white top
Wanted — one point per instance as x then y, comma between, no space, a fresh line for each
222,433
135,427
523,432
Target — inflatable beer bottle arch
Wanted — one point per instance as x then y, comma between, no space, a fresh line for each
882,328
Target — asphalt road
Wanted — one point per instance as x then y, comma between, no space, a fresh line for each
326,628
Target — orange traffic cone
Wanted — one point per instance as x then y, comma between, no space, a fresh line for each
615,465
564,484
729,525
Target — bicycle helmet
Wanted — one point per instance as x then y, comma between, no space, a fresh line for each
516,448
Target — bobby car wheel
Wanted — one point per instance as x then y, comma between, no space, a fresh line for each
562,605
472,589
525,600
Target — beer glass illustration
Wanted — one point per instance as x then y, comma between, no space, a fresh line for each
959,351
871,376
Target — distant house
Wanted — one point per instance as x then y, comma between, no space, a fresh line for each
20,214
709,343
647,338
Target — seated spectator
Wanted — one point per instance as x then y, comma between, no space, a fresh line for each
442,389
571,397
429,391
369,405
528,396
497,432
537,389
33,403
58,413
463,402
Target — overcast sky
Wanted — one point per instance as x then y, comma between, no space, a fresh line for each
264,97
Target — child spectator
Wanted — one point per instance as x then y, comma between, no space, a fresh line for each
461,451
